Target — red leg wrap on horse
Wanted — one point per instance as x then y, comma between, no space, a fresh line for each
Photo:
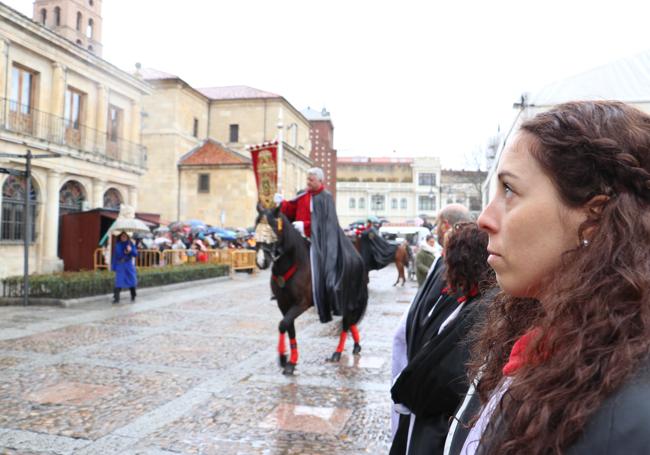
355,333
342,339
294,350
282,347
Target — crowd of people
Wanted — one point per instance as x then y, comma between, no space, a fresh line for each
530,334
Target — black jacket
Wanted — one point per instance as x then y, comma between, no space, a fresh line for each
621,426
434,381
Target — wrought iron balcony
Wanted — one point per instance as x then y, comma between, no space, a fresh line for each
27,121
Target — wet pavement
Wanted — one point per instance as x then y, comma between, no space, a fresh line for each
194,371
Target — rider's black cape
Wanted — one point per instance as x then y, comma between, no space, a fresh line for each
375,250
339,278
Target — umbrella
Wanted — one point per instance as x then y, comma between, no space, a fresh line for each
194,223
129,225
176,226
161,240
161,229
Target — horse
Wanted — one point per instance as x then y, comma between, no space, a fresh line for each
282,247
402,257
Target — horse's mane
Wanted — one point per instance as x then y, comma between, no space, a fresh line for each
291,237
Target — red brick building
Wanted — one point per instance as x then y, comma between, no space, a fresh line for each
322,145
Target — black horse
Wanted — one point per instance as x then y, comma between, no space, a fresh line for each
281,246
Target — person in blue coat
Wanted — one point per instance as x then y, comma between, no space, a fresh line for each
124,267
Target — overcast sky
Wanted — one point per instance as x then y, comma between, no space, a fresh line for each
415,77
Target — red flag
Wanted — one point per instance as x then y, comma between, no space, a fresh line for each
265,166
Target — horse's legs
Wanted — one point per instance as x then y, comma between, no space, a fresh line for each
339,349
282,350
400,272
287,325
355,336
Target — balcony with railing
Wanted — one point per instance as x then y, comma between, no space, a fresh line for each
27,121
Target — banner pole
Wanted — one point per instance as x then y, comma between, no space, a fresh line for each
280,148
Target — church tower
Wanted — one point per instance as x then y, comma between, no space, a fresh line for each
80,21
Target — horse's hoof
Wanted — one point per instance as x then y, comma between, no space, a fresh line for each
335,357
357,349
283,360
289,368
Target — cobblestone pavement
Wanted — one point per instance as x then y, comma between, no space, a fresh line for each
194,371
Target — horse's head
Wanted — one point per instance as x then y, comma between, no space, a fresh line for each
269,229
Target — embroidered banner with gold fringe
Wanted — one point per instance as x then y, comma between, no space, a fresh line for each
265,166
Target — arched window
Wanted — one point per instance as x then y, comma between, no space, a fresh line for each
71,197
43,16
112,199
403,203
362,202
79,20
13,208
393,204
353,203
57,16
89,29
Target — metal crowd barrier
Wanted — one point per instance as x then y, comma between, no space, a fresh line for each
235,259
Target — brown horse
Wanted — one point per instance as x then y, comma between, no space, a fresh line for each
402,257
281,246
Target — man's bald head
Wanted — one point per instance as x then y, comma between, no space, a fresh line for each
448,216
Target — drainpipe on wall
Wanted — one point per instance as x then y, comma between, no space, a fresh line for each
178,196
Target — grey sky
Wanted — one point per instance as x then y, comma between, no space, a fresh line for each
418,77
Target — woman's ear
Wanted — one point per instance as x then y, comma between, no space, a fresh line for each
593,211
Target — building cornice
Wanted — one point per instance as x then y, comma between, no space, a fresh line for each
14,18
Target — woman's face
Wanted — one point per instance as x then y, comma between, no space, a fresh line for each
529,227
123,237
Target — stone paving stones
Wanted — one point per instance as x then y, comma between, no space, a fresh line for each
79,401
8,362
195,371
260,417
68,338
186,350
153,318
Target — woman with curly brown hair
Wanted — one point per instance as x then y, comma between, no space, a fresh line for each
434,381
562,365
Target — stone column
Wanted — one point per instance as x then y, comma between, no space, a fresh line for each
51,262
135,122
102,117
58,89
4,51
99,187
133,197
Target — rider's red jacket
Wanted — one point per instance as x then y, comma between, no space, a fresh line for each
299,209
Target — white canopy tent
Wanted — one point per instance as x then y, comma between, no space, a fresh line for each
626,80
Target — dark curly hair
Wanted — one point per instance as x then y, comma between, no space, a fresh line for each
466,258
595,321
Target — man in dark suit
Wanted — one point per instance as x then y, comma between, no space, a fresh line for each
408,335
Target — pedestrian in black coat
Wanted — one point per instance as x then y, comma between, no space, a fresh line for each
434,381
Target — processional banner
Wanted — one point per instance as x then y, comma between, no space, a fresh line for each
265,167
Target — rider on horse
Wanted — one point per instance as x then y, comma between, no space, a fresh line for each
313,213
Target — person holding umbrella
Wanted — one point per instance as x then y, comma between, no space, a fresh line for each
124,267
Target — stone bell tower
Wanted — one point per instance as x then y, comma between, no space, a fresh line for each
80,21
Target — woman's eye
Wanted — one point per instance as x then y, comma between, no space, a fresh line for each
507,190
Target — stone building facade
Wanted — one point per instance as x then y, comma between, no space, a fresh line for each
59,97
180,119
399,189
462,187
322,145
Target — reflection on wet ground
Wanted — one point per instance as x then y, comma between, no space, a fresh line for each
194,372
